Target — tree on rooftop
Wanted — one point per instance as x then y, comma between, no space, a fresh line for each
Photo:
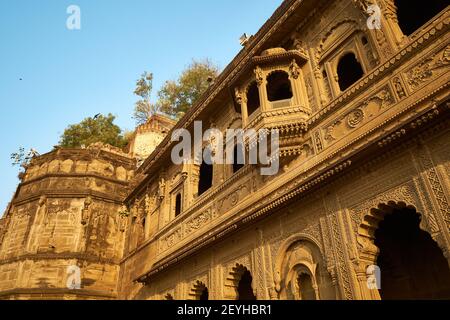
92,130
144,108
176,97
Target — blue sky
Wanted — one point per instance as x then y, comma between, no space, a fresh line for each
69,75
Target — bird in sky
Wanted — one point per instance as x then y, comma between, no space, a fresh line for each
96,116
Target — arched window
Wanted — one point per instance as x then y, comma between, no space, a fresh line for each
279,86
253,102
178,205
305,286
412,14
245,291
411,263
349,71
238,157
205,177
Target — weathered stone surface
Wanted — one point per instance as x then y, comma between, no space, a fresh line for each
349,159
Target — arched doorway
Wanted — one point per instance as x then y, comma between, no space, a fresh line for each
199,291
305,287
412,265
301,272
412,14
244,289
349,71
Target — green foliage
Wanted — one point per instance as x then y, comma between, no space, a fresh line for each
92,130
144,108
176,97
20,158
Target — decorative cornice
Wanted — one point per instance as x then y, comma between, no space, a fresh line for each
59,256
51,193
58,292
73,175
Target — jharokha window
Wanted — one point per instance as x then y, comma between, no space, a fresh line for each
349,71
279,86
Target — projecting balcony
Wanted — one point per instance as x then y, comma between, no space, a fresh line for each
271,92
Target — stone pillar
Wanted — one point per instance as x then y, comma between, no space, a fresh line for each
300,97
261,80
318,83
241,98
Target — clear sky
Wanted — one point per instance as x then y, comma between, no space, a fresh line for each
68,75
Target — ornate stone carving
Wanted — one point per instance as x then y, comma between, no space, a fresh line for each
197,222
355,118
399,88
259,75
162,188
434,65
294,70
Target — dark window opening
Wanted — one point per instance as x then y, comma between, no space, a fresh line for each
413,14
205,178
349,71
238,158
411,263
245,291
279,86
205,295
253,102
306,288
178,205
364,41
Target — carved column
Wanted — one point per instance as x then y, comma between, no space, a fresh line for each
318,83
241,98
388,38
435,191
332,73
342,256
261,80
298,89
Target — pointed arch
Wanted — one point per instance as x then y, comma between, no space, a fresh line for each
199,291
394,237
239,284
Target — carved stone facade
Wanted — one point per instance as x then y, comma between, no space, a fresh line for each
350,159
